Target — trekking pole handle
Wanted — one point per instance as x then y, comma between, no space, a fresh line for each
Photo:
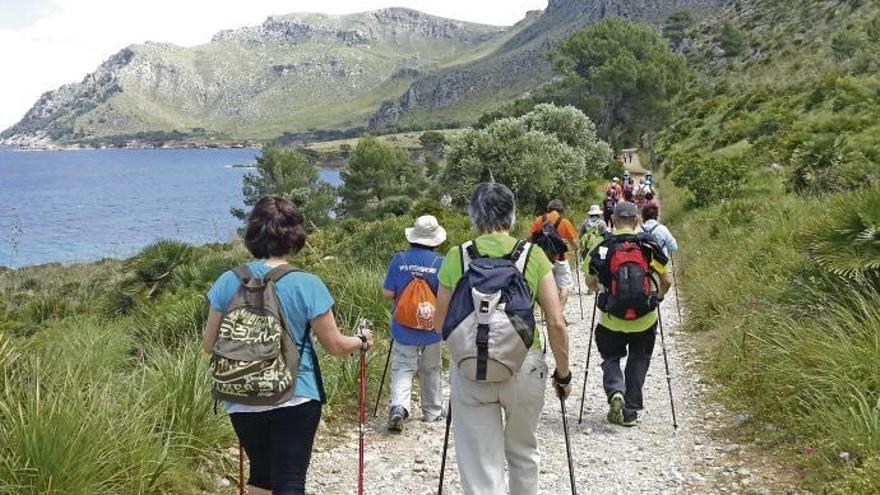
363,324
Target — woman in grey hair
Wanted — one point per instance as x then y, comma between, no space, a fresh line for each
494,421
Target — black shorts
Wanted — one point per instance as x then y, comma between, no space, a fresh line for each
279,445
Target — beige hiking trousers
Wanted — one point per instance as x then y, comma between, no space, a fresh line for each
498,421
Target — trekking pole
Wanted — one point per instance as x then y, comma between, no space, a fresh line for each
577,266
240,470
567,445
666,364
675,286
589,350
382,383
362,407
445,446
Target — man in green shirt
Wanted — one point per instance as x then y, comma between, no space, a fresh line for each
616,337
494,421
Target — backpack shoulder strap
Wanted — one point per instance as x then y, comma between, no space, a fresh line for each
520,255
469,253
558,221
243,273
280,272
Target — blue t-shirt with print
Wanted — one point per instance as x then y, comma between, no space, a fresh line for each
303,297
414,260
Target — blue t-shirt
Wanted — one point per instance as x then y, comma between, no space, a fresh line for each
303,297
414,260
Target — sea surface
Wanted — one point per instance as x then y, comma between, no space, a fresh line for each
83,205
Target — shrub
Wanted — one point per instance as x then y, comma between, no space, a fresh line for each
153,266
845,44
732,40
828,164
846,239
712,179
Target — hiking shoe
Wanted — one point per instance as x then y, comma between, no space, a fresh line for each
615,409
433,418
395,419
630,418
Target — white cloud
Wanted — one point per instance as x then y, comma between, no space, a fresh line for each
53,42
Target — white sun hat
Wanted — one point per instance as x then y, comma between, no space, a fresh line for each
426,231
595,211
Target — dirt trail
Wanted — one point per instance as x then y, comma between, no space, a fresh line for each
651,458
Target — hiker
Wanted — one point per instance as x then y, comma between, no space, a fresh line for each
608,209
661,234
650,200
276,435
411,282
593,220
592,231
625,265
628,189
556,235
649,179
495,406
616,189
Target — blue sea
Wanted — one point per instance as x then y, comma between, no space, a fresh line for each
83,205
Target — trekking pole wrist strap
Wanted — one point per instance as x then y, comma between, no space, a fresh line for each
565,380
365,346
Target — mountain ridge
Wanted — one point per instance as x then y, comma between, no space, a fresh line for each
305,72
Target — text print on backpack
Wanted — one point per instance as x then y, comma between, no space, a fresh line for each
254,358
491,324
417,303
549,240
622,264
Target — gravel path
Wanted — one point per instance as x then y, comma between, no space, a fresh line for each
650,458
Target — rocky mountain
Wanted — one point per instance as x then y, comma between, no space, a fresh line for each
301,72
520,64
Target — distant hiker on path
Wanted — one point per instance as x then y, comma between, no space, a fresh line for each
593,221
624,265
592,231
660,232
274,406
608,208
497,371
556,235
411,282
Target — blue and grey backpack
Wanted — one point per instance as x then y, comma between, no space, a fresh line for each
491,323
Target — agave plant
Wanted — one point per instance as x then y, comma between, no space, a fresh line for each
846,240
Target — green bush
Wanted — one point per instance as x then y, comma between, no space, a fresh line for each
712,179
732,40
829,164
846,239
846,43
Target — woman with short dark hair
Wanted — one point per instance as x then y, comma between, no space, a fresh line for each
278,438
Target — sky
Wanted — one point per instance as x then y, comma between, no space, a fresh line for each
47,43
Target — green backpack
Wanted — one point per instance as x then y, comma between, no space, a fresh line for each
254,358
591,238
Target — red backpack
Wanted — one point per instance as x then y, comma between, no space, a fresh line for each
623,265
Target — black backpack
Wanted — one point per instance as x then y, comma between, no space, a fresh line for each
548,238
623,265
608,205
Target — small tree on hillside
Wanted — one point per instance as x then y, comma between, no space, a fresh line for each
549,152
676,25
623,75
378,173
289,174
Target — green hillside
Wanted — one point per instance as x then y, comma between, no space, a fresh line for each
777,164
